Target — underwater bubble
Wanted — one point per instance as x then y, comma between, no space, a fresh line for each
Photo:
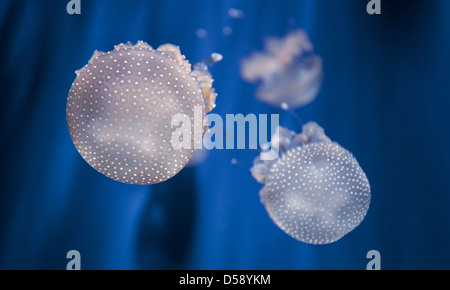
289,70
120,107
316,191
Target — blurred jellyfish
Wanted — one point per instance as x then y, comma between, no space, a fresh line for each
227,30
121,104
316,191
214,58
289,70
236,13
201,33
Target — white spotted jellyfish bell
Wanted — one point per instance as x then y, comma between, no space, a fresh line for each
120,108
316,191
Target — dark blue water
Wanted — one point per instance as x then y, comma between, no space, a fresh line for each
385,98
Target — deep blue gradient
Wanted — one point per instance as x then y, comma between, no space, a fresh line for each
385,98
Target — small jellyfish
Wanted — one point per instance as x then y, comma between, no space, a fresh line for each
121,104
214,58
201,33
227,30
289,70
236,13
316,191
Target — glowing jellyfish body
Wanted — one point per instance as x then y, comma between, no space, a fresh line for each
316,191
289,70
120,107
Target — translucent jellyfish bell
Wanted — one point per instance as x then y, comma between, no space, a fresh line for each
289,70
316,191
121,104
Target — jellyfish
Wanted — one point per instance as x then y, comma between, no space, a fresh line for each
227,30
236,13
316,191
201,33
121,104
289,70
